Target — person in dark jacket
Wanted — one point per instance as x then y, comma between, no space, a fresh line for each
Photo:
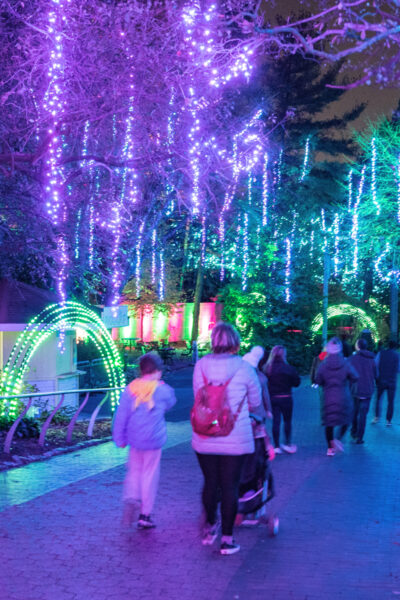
363,362
317,360
334,375
387,362
281,379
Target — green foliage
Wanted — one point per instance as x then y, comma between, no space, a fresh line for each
29,427
62,417
264,318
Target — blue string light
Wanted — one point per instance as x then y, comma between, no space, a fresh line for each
245,251
354,231
304,171
265,191
288,269
373,177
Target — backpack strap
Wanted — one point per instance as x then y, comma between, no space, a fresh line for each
237,413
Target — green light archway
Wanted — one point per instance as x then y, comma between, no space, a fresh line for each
346,309
57,317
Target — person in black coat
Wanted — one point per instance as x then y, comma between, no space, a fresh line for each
363,362
387,362
281,379
334,375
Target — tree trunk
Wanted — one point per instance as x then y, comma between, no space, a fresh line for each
325,297
185,250
394,303
197,299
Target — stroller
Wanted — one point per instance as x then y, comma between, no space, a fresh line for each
256,489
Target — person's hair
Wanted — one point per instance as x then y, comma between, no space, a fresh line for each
277,352
263,361
361,344
224,338
392,344
150,363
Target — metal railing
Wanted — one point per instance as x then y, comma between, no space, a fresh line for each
62,393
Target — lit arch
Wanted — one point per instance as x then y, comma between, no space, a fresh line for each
54,318
346,309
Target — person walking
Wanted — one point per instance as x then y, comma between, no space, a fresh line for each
221,457
282,377
387,362
334,376
363,362
317,360
140,423
254,358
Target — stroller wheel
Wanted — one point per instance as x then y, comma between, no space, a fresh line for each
273,525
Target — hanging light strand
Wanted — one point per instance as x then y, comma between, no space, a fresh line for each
138,268
336,234
245,251
161,281
373,177
305,168
355,224
265,191
153,256
288,269
350,191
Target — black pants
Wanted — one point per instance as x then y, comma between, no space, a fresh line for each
391,392
282,407
221,483
329,433
361,408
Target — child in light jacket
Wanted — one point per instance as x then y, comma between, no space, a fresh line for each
140,423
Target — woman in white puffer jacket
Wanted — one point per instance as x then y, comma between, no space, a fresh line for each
221,458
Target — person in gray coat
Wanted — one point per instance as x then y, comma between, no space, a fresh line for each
334,375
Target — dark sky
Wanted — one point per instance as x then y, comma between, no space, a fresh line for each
379,102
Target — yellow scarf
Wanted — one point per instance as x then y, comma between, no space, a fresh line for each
143,390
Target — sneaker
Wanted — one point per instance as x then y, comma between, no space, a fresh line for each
278,450
250,522
360,442
210,534
337,444
229,548
388,423
331,452
145,522
375,420
289,448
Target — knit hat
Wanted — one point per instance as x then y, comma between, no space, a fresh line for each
334,346
254,356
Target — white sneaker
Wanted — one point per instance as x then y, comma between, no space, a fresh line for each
331,452
337,444
290,449
210,534
375,420
278,450
388,423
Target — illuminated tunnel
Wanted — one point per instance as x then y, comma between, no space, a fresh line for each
57,317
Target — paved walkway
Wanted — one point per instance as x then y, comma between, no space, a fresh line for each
61,539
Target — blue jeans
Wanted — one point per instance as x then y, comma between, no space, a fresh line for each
361,408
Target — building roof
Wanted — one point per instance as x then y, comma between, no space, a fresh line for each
20,302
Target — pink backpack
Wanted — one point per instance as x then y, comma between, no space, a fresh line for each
211,414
